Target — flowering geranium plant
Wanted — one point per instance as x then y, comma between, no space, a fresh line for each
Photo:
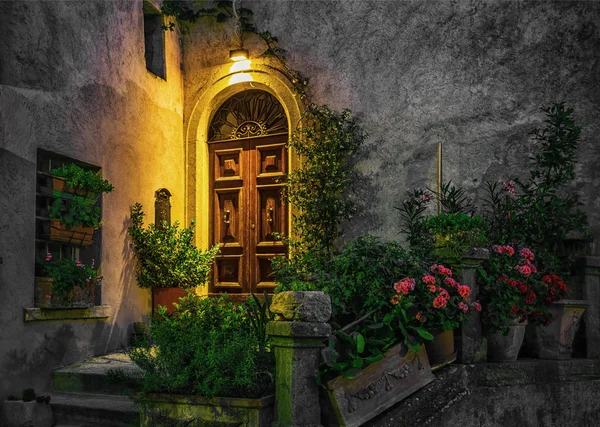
513,288
67,275
431,304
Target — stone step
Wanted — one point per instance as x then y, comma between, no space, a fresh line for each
110,374
93,410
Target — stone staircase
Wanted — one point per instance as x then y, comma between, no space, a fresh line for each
96,393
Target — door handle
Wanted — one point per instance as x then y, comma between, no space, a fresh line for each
226,215
270,215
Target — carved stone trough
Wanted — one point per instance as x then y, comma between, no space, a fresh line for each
352,402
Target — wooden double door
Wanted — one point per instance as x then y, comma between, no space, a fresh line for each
247,211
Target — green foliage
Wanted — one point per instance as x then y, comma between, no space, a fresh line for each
67,274
325,142
454,233
207,347
83,179
445,236
167,257
347,354
79,209
28,395
542,210
358,278
259,314
295,286
76,211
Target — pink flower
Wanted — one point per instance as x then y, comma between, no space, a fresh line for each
432,288
405,285
464,291
509,187
48,297
92,262
509,250
48,256
526,253
428,279
395,299
439,302
464,307
477,306
524,270
79,264
449,281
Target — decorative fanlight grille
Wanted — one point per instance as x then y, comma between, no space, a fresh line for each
247,114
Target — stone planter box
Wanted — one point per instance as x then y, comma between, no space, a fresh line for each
352,402
31,414
164,409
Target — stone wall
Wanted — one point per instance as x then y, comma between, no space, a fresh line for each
472,75
73,80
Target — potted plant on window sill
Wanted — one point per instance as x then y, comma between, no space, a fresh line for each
74,213
207,363
66,284
168,262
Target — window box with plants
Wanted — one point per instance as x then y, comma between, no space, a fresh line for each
366,371
75,214
168,262
67,284
207,362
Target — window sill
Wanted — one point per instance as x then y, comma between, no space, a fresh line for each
98,312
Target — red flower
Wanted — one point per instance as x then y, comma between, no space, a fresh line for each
464,291
526,253
464,307
432,288
429,279
477,306
439,302
396,299
449,281
514,309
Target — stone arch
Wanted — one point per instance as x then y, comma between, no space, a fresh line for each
265,78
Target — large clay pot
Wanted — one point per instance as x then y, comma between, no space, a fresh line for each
555,341
440,350
166,297
503,348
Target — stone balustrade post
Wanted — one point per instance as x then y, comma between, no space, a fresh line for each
297,335
469,338
588,270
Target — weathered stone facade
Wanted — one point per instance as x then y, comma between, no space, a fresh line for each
470,74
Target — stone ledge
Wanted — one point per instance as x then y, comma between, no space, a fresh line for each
37,314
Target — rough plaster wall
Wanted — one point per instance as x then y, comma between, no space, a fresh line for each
470,74
73,80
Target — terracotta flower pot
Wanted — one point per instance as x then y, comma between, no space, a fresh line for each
166,297
76,235
440,350
506,348
555,341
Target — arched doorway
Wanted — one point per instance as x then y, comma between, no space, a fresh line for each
247,166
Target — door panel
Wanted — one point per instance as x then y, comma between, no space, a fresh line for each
248,210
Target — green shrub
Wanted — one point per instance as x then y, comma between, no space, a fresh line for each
167,257
206,347
82,179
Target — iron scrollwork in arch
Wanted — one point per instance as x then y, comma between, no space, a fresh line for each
248,114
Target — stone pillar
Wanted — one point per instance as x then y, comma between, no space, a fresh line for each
469,339
297,335
588,270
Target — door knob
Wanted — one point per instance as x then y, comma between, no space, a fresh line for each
270,215
252,226
226,214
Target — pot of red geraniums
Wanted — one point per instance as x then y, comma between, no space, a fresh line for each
74,213
559,319
67,283
510,286
429,309
168,262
